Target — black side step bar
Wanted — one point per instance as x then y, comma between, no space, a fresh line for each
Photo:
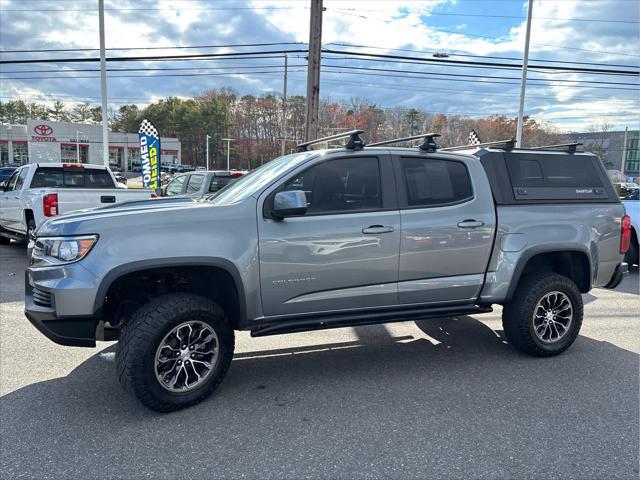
367,318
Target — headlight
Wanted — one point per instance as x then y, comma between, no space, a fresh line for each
49,251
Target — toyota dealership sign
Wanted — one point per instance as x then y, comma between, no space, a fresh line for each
43,133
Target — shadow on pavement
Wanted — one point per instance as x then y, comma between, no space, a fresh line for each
465,405
13,261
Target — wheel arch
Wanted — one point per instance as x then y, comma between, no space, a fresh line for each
571,261
194,264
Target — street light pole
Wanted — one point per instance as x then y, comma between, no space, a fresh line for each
284,109
523,80
228,140
208,137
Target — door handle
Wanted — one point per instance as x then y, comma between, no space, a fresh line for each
470,223
376,229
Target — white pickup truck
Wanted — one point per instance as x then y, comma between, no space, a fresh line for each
38,191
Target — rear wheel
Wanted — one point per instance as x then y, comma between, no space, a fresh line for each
545,315
175,351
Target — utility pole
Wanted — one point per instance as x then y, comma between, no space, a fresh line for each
208,137
284,108
228,140
103,87
313,70
624,149
523,80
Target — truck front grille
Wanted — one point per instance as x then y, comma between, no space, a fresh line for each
42,298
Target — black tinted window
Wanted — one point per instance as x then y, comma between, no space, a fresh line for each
218,183
432,182
58,177
551,171
342,185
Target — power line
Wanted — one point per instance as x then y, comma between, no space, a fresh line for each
151,58
342,52
341,44
490,64
177,47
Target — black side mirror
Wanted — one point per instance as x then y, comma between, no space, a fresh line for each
289,204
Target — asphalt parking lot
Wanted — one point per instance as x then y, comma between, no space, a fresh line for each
444,398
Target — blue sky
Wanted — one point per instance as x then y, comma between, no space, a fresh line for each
598,31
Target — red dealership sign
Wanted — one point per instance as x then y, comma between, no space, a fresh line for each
43,129
43,133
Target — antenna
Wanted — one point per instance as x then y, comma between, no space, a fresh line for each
354,142
429,144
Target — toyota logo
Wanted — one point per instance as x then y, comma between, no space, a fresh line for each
43,129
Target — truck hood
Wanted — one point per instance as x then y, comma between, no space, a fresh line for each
135,214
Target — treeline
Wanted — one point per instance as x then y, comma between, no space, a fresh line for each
255,123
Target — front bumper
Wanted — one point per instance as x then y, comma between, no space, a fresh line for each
621,270
73,331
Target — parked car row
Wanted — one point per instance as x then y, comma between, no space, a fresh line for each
38,191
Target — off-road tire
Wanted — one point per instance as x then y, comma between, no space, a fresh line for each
142,334
517,316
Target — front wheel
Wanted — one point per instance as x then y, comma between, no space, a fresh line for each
175,351
544,316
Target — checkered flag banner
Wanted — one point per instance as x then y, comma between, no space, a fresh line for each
473,138
147,128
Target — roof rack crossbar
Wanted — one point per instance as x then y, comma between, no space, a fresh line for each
508,145
571,147
428,145
354,142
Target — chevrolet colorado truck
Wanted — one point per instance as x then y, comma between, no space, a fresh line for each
38,191
325,239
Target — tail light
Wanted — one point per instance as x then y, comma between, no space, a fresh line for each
50,205
625,238
154,195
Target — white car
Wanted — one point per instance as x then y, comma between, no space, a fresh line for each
38,191
632,206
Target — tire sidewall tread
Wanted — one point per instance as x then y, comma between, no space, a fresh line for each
143,332
517,315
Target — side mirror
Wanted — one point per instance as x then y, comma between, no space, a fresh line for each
289,204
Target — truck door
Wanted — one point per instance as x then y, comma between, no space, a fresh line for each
343,253
11,210
448,222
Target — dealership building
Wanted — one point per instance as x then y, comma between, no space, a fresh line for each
48,141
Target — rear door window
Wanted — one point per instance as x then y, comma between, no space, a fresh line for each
433,182
60,177
194,184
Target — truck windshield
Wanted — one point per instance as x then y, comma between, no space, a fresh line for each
248,185
60,177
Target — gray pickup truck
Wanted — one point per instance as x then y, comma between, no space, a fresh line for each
331,238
